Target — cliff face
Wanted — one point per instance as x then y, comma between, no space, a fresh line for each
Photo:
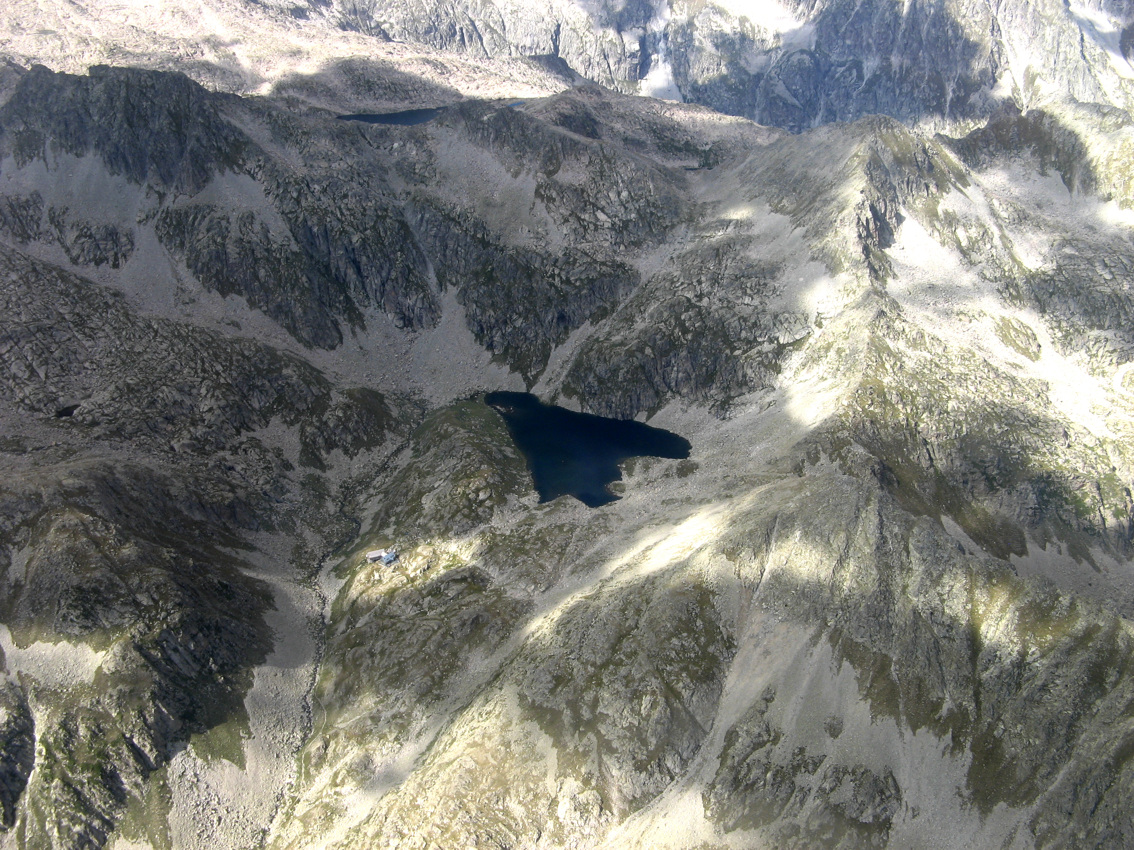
886,599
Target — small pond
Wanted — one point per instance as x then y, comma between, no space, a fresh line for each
404,118
577,454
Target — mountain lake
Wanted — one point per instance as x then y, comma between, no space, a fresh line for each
577,454
403,118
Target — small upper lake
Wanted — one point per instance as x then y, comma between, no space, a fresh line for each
404,118
577,454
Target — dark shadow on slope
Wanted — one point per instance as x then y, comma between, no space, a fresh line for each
128,559
657,131
1010,478
557,65
155,128
10,75
364,85
172,137
1010,132
849,60
1126,42
130,531
909,61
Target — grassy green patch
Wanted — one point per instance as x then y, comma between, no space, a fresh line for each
146,819
225,740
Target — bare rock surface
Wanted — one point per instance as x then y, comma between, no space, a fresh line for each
886,599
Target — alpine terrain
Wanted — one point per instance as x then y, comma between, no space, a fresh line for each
873,260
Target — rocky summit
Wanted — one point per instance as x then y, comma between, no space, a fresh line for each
874,261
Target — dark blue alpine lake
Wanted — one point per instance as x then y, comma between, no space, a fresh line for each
577,454
404,118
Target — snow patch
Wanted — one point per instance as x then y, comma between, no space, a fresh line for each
767,14
659,82
1106,32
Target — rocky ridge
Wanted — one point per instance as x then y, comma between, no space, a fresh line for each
789,64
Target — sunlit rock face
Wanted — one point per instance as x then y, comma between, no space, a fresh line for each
884,602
